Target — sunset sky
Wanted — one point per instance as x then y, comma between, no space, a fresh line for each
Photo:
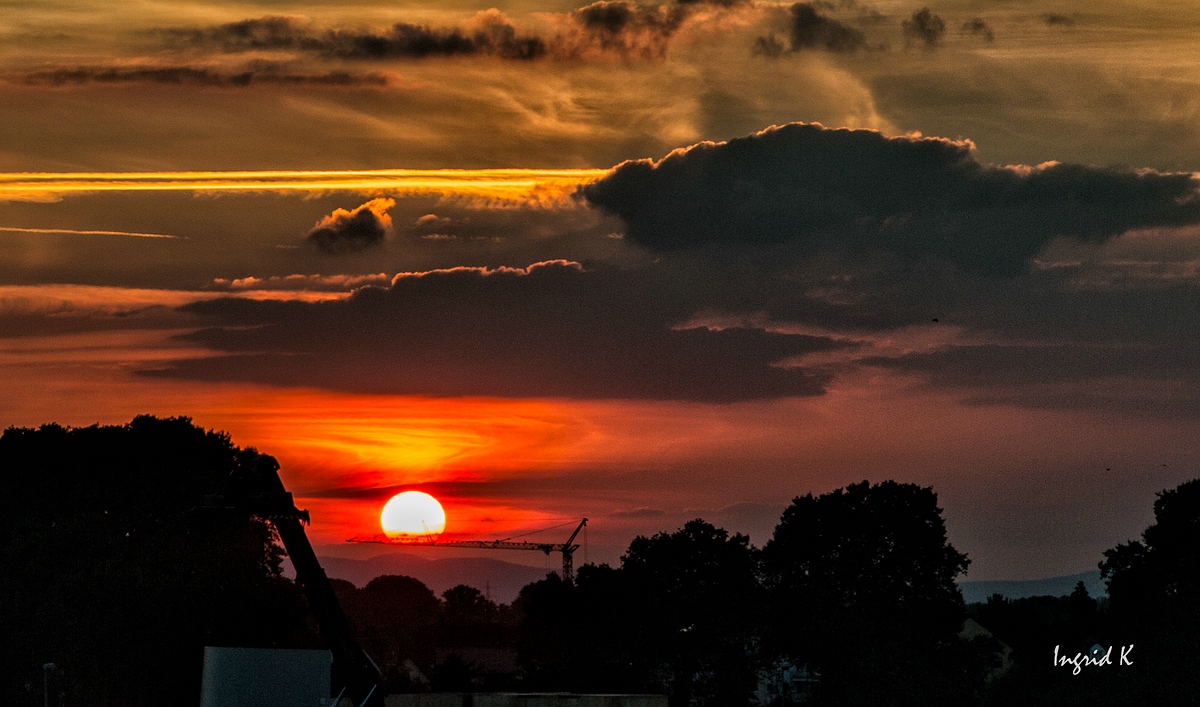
641,263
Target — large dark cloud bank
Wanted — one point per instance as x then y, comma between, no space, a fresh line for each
798,247
857,190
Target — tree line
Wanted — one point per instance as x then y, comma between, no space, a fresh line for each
112,574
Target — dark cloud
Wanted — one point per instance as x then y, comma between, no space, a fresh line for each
624,28
620,28
768,46
1173,401
811,30
856,191
351,231
276,32
65,321
767,266
977,27
1158,378
489,34
1042,340
623,486
1054,19
1004,365
402,40
609,18
492,35
194,76
549,330
925,28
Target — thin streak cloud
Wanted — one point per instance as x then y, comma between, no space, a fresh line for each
76,232
505,185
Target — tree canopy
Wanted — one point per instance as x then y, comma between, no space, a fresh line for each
1154,589
679,616
863,592
113,572
700,598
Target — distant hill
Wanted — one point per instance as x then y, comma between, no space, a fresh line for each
502,580
1020,589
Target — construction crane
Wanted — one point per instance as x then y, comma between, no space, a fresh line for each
256,489
567,549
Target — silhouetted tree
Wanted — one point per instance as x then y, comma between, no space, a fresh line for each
698,601
863,592
1154,593
114,572
1082,614
679,616
466,606
614,653
469,621
394,618
547,644
585,637
1032,627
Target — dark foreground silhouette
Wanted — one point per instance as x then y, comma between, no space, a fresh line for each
112,574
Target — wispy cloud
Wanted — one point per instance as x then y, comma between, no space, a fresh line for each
192,76
77,232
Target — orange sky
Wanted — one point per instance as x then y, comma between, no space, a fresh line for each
503,467
424,267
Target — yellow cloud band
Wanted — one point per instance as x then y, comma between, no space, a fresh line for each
501,184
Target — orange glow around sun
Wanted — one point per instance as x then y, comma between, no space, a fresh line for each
412,514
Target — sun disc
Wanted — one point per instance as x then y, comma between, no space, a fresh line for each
413,513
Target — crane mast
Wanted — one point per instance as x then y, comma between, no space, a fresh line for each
256,489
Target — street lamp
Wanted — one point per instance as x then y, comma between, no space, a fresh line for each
46,668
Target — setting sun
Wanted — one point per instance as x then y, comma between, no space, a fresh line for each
413,513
